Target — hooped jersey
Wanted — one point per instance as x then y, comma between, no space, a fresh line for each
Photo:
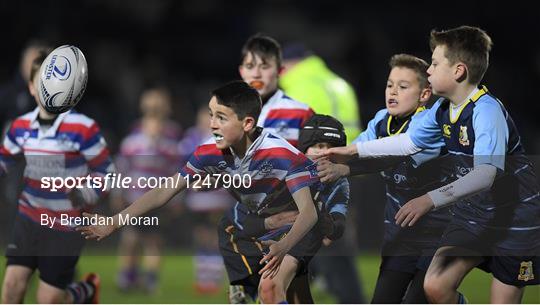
275,168
72,147
284,116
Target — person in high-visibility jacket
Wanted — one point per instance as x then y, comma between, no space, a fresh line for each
307,78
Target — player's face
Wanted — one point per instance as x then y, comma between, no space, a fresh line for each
260,74
317,149
227,129
441,73
403,92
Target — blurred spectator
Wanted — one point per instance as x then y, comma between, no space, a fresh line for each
307,78
150,150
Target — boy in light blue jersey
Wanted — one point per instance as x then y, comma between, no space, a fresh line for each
496,197
406,252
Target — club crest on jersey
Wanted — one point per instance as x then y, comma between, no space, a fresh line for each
526,271
446,130
266,168
463,136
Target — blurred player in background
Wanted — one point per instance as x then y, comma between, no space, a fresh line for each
150,150
65,145
206,208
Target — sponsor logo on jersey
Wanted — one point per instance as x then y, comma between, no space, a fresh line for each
446,130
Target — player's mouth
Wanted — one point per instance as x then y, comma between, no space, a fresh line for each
392,103
257,84
218,137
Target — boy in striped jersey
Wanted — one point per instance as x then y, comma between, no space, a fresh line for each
260,66
279,175
65,145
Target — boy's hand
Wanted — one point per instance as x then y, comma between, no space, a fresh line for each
274,257
413,210
340,154
279,220
330,172
97,232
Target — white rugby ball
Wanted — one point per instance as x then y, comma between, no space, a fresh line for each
63,78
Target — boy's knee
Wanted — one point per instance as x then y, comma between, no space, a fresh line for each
270,292
13,290
436,289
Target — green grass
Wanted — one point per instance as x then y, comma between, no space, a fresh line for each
177,283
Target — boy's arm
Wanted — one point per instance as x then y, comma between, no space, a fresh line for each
306,219
151,200
424,132
491,139
8,150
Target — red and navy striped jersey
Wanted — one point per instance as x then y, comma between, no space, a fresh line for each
71,147
275,167
284,116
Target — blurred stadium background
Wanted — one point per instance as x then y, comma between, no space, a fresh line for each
192,46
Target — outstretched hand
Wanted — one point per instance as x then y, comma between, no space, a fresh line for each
97,231
340,154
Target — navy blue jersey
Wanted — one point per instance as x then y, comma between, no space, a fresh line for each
482,132
409,179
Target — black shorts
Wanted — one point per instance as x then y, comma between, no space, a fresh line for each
407,256
517,267
54,253
242,255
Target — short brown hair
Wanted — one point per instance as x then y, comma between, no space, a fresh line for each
467,44
264,46
418,65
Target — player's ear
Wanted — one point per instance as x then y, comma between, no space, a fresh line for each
241,71
425,95
32,89
460,72
249,123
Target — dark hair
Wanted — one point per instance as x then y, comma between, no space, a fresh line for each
467,44
264,46
36,63
418,65
240,97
